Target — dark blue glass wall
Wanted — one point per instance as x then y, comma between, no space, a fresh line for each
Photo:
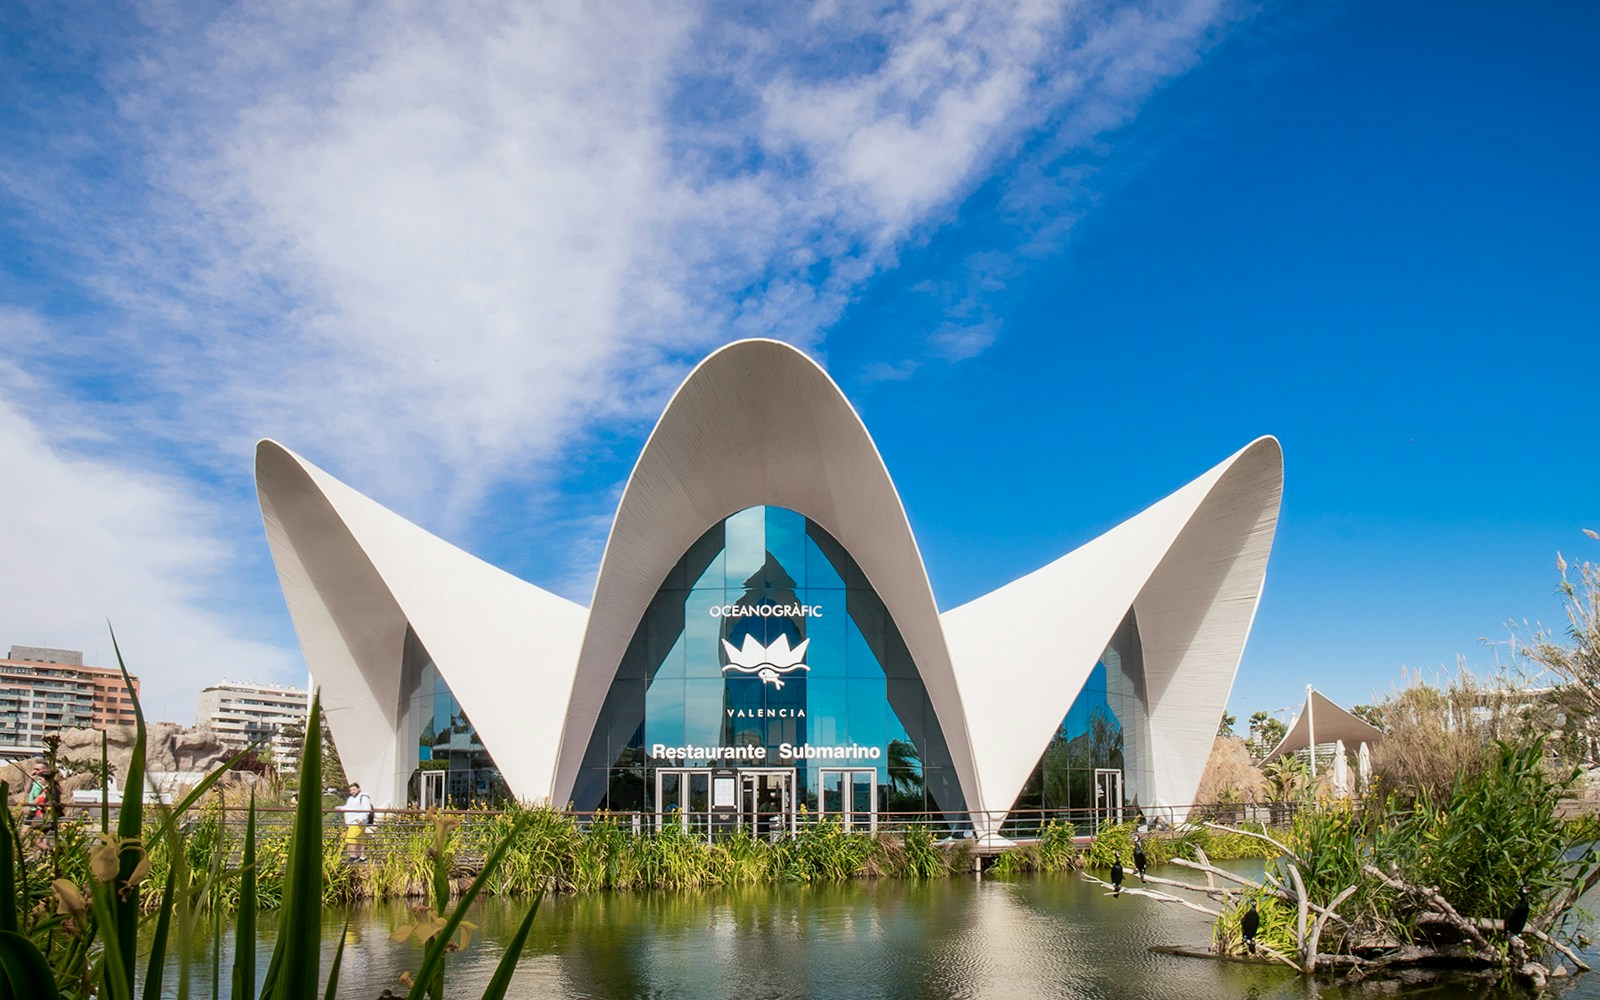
768,580
447,740
1103,730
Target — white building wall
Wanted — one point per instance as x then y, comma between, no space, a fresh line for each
759,423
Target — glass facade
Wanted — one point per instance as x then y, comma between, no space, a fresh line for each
1097,766
453,768
766,647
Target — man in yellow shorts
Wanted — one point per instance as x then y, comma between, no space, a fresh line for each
357,810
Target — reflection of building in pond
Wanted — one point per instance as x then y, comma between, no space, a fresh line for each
763,643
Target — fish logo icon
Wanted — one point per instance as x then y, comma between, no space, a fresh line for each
766,662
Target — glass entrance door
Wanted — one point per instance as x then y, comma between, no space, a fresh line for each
683,796
431,792
850,794
1107,797
766,800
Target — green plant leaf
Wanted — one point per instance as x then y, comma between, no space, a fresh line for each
25,971
433,956
501,980
8,866
124,906
244,948
105,786
338,959
292,974
158,942
116,971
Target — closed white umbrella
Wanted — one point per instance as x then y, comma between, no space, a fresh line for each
1364,766
1341,770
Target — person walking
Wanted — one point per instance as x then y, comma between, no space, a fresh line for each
357,810
38,797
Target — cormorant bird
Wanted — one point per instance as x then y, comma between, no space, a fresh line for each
1517,919
1248,925
1116,877
1140,860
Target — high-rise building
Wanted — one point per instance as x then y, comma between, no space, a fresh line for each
241,713
43,690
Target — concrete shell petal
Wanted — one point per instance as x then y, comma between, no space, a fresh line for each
758,423
1191,567
355,574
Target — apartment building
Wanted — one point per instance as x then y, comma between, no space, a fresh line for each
43,690
240,713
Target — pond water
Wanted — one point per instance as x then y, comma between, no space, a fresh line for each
1031,936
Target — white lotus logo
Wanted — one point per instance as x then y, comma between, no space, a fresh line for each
766,662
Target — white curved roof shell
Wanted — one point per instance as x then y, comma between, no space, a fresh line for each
759,423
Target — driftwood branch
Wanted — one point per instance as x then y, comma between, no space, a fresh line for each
1218,892
1300,913
1272,887
1286,960
1558,946
1200,853
1160,897
1569,896
1439,903
1312,957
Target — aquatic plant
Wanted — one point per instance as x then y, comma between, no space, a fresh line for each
77,936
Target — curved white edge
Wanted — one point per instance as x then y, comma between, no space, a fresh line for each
1196,611
355,574
1191,567
758,423
1333,722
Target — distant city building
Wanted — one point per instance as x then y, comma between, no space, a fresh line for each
241,713
43,690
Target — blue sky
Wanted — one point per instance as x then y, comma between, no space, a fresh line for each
1062,260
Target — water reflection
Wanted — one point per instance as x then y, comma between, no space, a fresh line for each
1046,936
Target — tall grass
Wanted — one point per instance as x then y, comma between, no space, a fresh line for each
78,935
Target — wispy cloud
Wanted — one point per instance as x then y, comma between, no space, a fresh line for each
434,247
90,542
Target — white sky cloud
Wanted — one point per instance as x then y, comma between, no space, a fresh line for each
89,542
431,247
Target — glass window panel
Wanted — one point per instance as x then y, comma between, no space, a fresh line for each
702,646
703,712
860,659
868,708
746,547
664,712
911,705
827,652
832,792
820,573
826,712
713,576
786,541
671,800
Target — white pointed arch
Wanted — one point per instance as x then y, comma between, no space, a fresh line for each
1191,567
356,576
758,423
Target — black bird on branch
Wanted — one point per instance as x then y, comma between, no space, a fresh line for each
1116,877
1248,925
1517,919
1140,859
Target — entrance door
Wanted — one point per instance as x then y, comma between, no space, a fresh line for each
683,796
1107,797
850,794
431,792
766,800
